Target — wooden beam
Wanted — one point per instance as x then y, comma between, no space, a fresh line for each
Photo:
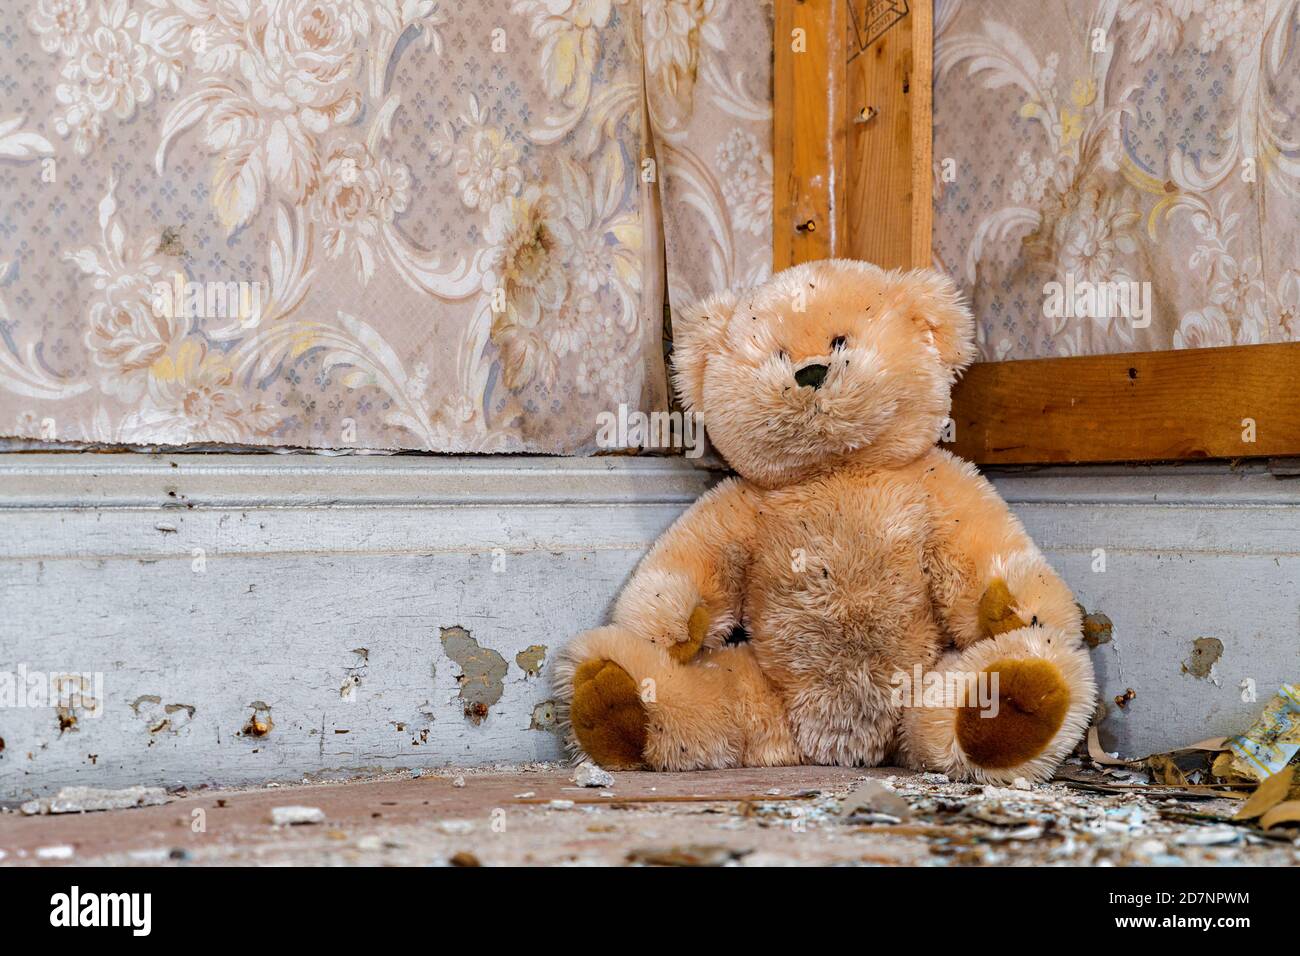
851,130
852,120
808,131
1234,402
889,119
921,111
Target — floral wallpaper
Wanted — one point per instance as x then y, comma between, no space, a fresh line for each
388,224
710,101
1151,147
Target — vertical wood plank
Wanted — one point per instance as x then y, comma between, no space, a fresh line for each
889,77
808,131
921,109
844,186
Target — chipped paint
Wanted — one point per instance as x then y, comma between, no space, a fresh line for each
543,716
1097,629
354,674
354,567
1206,652
259,722
162,718
530,659
348,689
482,675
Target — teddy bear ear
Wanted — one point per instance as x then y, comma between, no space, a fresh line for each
936,305
698,331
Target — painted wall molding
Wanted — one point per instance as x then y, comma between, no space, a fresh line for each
210,591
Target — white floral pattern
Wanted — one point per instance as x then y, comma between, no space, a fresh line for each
709,82
1149,141
442,204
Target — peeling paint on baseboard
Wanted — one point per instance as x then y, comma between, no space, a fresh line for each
259,722
311,559
543,716
1097,629
1206,652
530,659
483,671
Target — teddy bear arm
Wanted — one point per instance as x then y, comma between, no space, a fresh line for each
987,575
690,587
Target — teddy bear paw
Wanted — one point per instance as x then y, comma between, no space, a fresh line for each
608,717
1032,701
683,652
997,610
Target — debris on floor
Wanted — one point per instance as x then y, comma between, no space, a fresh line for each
1089,816
589,775
1254,770
875,802
88,799
691,855
296,816
55,853
1272,741
1226,801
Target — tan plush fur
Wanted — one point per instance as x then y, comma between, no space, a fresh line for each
850,547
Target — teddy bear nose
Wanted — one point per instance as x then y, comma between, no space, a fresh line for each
811,376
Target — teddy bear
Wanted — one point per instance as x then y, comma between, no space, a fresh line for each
854,595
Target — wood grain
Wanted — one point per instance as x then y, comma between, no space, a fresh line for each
808,132
889,155
1135,406
864,187
867,189
921,111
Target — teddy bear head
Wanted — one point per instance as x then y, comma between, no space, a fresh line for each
826,364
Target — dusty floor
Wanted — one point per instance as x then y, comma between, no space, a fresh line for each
535,815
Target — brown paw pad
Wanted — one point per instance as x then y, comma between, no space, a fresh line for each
608,717
1032,702
696,628
998,610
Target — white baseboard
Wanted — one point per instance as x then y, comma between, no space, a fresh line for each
206,590
199,588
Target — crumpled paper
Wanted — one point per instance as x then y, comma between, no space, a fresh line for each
1272,740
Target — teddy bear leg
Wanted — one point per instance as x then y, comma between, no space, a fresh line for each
628,704
1010,706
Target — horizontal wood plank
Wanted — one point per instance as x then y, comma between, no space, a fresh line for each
1235,402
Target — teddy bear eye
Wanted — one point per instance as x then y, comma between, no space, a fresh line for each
837,343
